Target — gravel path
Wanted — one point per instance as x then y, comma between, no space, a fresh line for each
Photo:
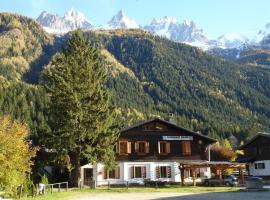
176,196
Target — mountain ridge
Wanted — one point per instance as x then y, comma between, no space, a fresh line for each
187,32
148,76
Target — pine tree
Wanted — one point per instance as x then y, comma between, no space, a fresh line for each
81,115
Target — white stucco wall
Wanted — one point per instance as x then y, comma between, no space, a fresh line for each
125,174
260,172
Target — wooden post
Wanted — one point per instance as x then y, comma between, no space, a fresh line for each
20,193
59,187
66,186
51,188
182,173
109,184
37,190
193,176
220,176
241,176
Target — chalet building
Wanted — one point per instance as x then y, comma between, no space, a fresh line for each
257,155
153,150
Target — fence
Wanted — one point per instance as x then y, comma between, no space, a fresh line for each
51,187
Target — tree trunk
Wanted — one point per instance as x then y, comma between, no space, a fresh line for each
75,176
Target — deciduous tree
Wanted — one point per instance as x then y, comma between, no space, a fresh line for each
15,155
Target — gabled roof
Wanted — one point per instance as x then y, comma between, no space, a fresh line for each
266,135
169,124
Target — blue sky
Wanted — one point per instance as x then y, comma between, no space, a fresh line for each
214,16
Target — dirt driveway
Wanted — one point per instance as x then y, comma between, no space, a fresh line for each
176,196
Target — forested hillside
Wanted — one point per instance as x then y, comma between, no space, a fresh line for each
149,76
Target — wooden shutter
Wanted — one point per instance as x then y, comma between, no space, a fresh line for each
168,147
117,172
117,147
157,172
105,174
186,147
132,174
143,171
146,147
129,147
169,172
136,147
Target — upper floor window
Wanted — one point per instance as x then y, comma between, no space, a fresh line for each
138,172
259,165
186,148
123,147
164,147
142,147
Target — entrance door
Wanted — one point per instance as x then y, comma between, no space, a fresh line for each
88,176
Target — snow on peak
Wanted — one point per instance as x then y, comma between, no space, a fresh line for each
233,40
120,20
71,20
186,32
165,20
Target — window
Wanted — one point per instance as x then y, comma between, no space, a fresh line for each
142,147
123,147
149,127
259,165
163,172
154,127
138,172
160,127
186,148
164,148
112,174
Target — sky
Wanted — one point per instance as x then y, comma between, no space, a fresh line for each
216,17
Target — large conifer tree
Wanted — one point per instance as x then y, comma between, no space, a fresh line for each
81,116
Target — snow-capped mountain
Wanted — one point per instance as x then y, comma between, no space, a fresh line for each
187,32
71,20
120,20
233,40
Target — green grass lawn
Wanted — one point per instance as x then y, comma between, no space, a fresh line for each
187,189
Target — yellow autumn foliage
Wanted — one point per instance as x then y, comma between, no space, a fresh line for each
15,155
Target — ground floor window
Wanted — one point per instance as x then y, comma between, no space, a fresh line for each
112,174
138,172
259,165
163,172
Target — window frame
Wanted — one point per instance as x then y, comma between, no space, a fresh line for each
116,172
134,172
146,147
260,165
128,147
167,147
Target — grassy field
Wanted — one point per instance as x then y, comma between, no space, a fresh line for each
73,192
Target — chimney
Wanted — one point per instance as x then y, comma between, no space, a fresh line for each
171,119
